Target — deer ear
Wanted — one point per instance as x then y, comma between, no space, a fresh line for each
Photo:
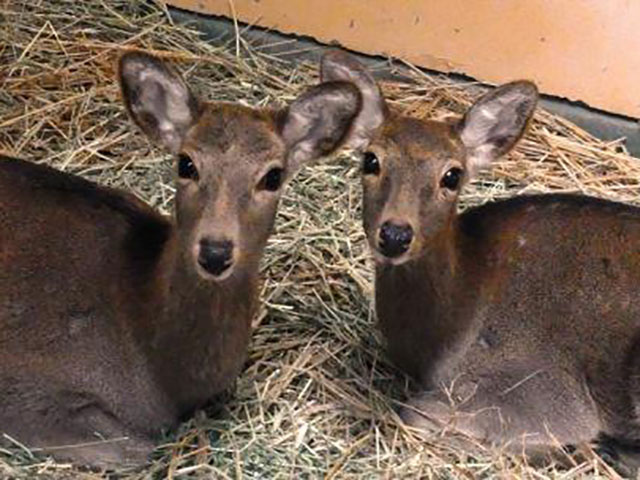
340,66
157,99
495,123
316,123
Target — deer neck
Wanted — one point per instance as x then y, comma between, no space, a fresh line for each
423,306
202,329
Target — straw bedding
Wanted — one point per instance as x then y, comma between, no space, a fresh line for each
318,397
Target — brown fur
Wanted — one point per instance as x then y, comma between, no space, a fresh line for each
109,328
520,319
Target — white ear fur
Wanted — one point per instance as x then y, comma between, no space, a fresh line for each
157,99
495,123
316,123
338,65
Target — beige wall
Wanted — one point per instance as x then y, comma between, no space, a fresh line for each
585,50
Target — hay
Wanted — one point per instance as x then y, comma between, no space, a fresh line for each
318,397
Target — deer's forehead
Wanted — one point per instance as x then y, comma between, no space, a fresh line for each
235,133
421,143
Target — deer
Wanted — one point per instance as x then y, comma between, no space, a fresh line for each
519,320
117,322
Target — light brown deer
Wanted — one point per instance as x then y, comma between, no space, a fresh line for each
520,319
116,322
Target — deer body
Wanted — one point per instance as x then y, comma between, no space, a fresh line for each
519,319
91,348
534,311
116,322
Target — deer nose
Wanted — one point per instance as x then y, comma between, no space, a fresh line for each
215,256
395,239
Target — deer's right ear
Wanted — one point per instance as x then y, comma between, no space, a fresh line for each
340,66
157,99
318,121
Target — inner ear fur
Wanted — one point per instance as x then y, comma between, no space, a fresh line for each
337,65
494,124
317,122
157,98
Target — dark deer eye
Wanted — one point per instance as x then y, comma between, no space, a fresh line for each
272,180
186,167
370,164
452,178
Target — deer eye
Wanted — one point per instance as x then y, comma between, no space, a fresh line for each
186,167
451,179
272,180
370,164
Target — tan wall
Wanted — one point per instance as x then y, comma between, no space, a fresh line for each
585,50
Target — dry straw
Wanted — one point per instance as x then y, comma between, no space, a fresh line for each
317,398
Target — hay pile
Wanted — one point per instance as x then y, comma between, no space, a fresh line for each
317,398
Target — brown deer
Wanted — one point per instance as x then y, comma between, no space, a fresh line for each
520,319
116,322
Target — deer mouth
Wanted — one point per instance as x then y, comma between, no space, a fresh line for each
218,272
382,259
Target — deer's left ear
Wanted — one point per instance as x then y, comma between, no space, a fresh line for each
495,123
316,123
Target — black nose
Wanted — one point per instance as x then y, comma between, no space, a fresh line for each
215,257
394,239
